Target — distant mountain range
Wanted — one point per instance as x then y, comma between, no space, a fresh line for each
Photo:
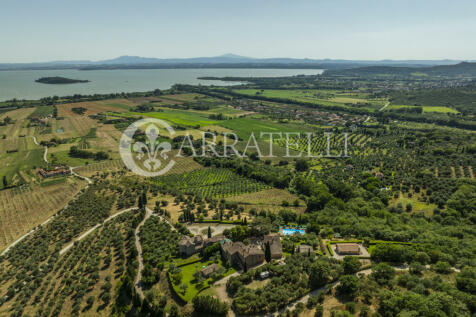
222,61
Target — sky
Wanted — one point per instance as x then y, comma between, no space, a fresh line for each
49,30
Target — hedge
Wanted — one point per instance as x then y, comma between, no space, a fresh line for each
233,222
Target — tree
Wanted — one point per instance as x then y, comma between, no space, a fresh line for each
364,311
5,182
387,252
349,285
209,305
319,311
320,274
301,165
416,268
442,267
383,273
90,301
184,287
267,252
174,312
351,265
209,234
466,280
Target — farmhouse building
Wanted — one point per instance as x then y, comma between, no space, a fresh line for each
251,255
209,270
56,172
274,245
190,245
348,249
237,253
304,248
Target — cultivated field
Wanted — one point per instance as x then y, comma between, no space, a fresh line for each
22,209
268,199
320,97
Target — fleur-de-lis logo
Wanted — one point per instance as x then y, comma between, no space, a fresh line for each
151,152
151,148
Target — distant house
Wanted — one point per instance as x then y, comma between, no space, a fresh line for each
348,249
190,245
304,248
213,240
58,171
209,270
274,245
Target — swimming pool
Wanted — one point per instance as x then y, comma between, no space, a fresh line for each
293,231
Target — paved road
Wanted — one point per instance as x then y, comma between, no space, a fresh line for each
84,235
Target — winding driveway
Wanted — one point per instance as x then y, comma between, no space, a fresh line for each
84,235
140,257
82,177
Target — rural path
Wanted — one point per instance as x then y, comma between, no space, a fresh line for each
35,140
385,106
82,177
84,235
34,229
364,272
45,154
140,257
305,298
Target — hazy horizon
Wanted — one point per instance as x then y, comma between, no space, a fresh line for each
53,30
266,57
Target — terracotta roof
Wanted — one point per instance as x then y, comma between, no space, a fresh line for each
210,269
186,240
304,248
233,247
347,248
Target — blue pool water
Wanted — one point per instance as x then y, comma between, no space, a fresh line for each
293,231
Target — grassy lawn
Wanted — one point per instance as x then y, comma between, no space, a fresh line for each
193,288
63,158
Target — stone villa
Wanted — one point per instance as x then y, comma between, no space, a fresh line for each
237,253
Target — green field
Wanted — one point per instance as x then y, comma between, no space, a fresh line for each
439,109
243,127
180,117
23,161
212,182
319,97
42,111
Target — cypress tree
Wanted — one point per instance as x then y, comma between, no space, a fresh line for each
267,252
209,232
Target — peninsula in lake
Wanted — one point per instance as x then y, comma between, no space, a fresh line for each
59,80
